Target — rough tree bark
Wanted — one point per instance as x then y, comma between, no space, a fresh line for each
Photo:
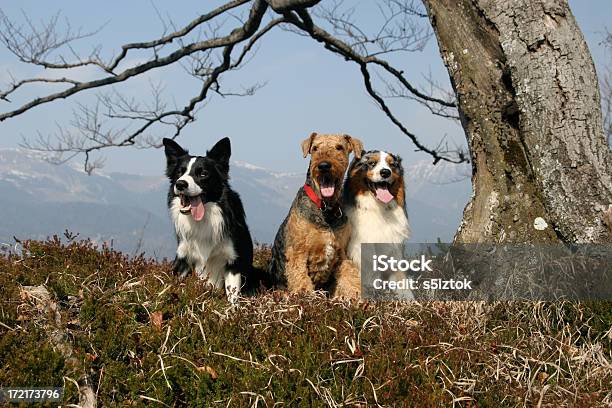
530,107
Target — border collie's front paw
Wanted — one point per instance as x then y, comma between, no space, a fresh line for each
233,284
181,267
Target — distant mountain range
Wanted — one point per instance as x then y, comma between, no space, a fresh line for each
39,199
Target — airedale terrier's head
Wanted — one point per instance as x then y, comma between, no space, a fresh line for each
329,160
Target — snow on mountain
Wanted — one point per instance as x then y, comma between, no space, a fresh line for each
422,173
39,199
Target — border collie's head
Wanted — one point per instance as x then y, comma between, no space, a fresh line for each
329,160
378,173
197,180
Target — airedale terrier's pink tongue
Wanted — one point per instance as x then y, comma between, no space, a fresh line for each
383,194
197,208
327,189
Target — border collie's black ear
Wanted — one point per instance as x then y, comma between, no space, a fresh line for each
173,149
221,151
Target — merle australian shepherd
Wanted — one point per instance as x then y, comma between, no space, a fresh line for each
375,204
208,217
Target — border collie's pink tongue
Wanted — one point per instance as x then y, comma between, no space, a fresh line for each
197,208
383,194
328,190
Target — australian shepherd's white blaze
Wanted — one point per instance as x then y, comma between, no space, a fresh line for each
375,203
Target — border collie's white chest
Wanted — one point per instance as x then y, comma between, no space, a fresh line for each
203,243
375,222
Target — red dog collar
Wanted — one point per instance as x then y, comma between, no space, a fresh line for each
313,196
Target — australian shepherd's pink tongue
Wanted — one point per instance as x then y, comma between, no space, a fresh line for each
383,194
197,208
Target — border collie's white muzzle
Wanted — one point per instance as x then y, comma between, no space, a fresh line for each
189,192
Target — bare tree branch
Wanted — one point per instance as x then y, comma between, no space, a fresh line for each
35,42
398,91
206,52
89,123
333,44
18,84
338,46
236,36
399,32
281,6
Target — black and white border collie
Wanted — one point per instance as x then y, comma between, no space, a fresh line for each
208,217
375,203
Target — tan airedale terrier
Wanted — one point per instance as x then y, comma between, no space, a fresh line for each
309,251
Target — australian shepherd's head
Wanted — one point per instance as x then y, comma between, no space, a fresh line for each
379,174
329,159
196,180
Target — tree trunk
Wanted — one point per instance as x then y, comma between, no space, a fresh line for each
530,107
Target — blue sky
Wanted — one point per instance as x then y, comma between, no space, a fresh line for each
306,87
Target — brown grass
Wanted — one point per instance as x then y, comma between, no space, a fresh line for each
142,337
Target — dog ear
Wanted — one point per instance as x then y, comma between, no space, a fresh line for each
307,143
221,151
356,145
173,149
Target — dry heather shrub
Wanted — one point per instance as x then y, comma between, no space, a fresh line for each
142,337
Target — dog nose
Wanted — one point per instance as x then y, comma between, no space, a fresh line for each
324,166
385,173
181,185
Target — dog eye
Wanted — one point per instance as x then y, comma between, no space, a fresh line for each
371,163
339,147
315,148
203,173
